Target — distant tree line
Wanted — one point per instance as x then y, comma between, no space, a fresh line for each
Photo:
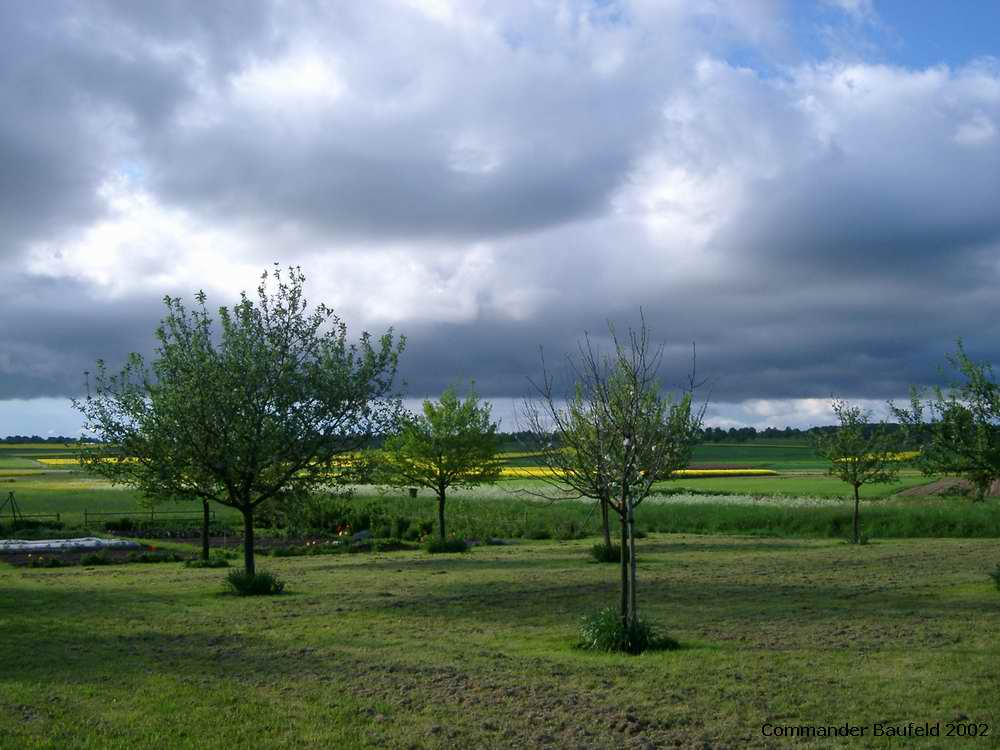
522,440
49,440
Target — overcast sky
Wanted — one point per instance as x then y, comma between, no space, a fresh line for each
808,190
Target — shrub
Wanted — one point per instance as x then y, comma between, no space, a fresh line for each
606,553
538,533
31,524
96,558
154,557
437,546
47,562
262,583
121,524
603,631
995,575
212,562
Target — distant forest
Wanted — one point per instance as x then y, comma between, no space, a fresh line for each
38,439
731,435
708,435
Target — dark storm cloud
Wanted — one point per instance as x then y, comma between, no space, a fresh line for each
55,330
823,229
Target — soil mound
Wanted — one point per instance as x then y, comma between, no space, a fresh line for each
948,486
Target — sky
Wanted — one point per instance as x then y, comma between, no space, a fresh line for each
807,190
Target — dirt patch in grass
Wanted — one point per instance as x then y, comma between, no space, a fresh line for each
948,486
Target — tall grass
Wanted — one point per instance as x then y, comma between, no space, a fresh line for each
480,519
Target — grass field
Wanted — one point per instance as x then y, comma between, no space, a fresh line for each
776,454
402,650
795,503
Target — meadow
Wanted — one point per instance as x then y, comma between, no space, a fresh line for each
781,624
404,650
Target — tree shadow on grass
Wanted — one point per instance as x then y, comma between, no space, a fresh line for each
70,636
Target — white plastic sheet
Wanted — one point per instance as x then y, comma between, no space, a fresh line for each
63,545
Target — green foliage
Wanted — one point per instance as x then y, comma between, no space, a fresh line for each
606,553
29,524
958,428
96,558
605,631
857,453
252,410
995,575
439,546
453,443
47,562
260,583
212,562
154,557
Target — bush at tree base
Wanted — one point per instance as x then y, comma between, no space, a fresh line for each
261,583
604,631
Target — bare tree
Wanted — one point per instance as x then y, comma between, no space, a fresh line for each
614,434
859,453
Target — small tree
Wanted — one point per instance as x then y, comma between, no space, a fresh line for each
617,435
859,453
958,429
247,414
452,444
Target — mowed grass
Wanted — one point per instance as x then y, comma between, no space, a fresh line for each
402,650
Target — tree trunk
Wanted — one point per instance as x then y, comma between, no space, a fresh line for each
204,530
857,516
441,529
248,562
605,522
633,615
624,571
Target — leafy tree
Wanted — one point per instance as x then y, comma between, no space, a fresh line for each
453,443
858,454
245,413
616,436
957,429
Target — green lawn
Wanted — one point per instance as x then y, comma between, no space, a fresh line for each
403,650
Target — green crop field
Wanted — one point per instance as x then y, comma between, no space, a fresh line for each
403,650
764,455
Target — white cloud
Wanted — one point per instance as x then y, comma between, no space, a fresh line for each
978,130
